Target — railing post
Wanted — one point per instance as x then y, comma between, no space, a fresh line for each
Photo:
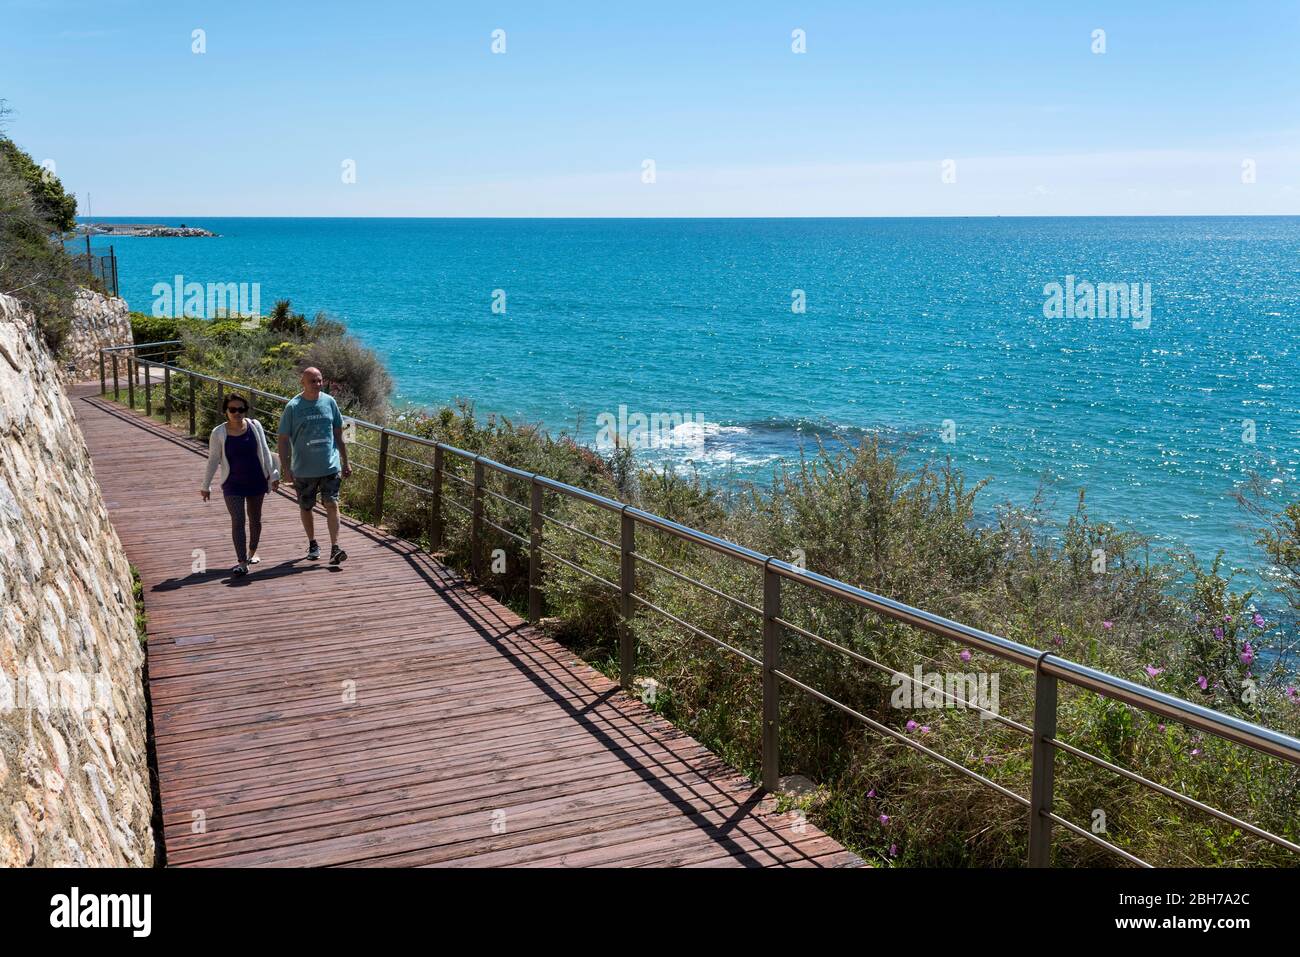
627,587
167,394
103,382
382,473
771,684
148,389
221,394
476,523
193,409
1044,768
117,391
435,531
535,552
130,380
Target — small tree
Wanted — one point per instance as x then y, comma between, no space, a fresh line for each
33,270
285,321
51,202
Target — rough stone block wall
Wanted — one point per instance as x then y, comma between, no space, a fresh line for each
74,776
97,321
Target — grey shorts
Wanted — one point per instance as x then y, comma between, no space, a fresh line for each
326,486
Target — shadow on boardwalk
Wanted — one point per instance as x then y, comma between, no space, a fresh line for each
387,712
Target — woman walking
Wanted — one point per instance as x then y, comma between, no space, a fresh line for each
239,446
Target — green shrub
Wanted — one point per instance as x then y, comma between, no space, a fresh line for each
285,322
353,374
34,267
147,328
52,204
266,354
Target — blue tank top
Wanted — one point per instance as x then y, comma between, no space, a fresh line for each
245,476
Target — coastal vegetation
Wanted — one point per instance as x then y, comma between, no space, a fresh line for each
269,353
34,268
1081,589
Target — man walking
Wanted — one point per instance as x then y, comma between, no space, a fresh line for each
314,458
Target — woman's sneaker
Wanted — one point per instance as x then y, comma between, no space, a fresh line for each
313,551
337,555
254,560
239,571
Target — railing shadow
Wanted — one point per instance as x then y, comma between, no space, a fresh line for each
536,657
553,671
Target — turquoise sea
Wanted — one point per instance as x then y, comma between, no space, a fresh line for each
914,328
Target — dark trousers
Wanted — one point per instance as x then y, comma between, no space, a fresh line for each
237,505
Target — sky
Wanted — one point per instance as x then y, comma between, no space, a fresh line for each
895,109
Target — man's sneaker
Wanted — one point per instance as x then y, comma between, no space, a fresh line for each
313,551
337,555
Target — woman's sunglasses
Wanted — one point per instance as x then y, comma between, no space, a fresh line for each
237,411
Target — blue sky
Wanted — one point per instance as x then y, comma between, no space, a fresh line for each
735,122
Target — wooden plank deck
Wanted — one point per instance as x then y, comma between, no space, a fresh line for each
473,740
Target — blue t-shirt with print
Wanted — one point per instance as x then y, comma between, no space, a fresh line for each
310,425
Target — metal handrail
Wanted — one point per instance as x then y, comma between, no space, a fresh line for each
1048,668
142,345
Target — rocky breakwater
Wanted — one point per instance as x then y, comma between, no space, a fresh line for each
155,230
74,776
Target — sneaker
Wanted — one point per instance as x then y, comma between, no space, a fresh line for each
254,560
313,551
239,571
337,555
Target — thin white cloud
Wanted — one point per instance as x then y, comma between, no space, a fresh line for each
1139,182
1145,182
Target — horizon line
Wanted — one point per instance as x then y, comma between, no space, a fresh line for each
141,217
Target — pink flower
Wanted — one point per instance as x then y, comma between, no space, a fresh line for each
1291,693
912,726
1247,654
1259,620
1218,633
893,850
1160,727
1153,671
1227,618
1058,641
965,655
925,729
1204,682
1195,752
988,759
1108,625
884,819
871,793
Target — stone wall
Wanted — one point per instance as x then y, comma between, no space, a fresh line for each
74,776
97,321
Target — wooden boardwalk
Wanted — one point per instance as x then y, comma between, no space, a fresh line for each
388,713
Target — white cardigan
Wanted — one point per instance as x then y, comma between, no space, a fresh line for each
217,455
